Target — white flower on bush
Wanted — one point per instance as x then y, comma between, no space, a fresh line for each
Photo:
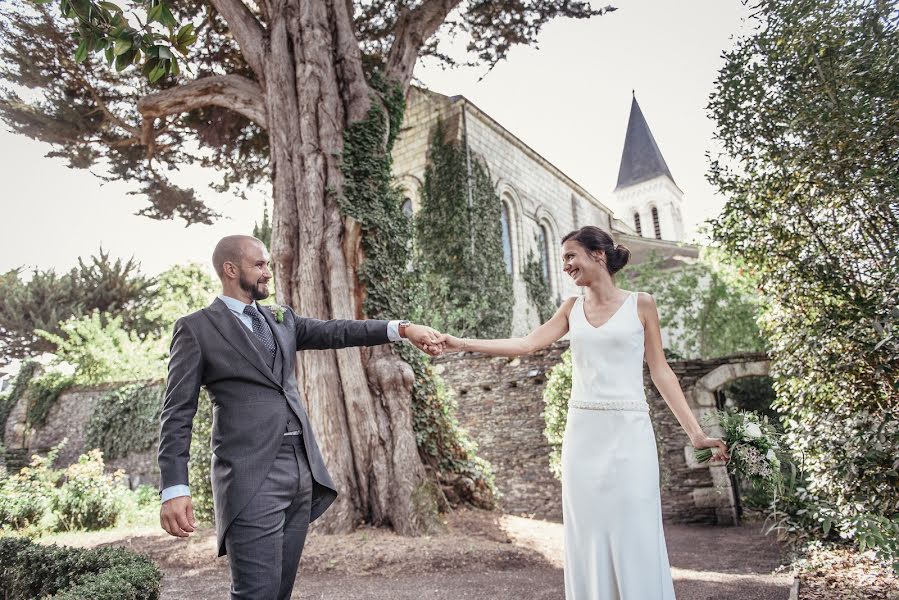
772,458
752,431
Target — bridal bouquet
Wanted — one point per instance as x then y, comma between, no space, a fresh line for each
752,443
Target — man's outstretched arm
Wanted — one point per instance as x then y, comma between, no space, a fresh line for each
315,334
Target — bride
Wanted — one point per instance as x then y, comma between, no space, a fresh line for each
614,543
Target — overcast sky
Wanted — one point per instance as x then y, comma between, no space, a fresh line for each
568,99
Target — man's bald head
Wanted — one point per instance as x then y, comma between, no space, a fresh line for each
231,248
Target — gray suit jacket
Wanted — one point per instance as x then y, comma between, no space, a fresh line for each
212,348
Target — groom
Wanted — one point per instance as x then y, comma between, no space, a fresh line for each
269,479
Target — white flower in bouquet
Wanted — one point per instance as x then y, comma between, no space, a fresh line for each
752,431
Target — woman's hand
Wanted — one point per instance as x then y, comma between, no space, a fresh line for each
719,448
452,343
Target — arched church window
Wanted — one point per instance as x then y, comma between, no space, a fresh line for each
543,248
407,207
637,223
507,237
655,223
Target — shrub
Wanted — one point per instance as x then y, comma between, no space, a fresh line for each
147,495
26,496
126,419
555,413
201,461
29,570
89,498
103,350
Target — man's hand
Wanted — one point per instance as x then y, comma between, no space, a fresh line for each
177,516
425,339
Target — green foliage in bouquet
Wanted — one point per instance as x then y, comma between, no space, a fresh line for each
754,448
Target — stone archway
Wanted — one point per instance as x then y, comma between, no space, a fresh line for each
703,399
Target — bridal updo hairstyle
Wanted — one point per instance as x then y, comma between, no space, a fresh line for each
595,239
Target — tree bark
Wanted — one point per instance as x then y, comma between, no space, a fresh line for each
359,401
310,88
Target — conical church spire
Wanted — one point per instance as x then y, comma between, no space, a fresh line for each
641,159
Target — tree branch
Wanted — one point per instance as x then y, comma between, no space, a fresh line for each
412,31
349,61
248,32
228,91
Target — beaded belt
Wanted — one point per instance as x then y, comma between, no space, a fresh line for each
630,405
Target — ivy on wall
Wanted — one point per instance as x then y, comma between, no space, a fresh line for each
537,287
371,197
39,391
126,419
458,244
19,385
42,394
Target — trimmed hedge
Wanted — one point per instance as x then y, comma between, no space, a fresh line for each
29,570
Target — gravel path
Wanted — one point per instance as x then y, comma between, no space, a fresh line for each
481,556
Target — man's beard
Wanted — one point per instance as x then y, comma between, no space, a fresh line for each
252,288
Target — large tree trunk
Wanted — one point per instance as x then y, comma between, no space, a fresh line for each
359,401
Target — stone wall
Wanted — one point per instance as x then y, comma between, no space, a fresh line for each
501,406
67,419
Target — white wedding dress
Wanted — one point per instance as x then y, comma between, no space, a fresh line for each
614,542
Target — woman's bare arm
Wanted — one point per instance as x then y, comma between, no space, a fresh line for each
664,378
539,338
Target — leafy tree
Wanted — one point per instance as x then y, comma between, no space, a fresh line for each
711,307
263,231
309,95
458,244
177,291
47,298
103,351
806,107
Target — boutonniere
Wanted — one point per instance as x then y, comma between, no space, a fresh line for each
278,311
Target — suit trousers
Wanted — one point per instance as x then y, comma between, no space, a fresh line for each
265,541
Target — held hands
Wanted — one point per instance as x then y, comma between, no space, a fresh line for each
433,342
177,516
426,339
719,448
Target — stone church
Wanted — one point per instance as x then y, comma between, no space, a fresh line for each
540,203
